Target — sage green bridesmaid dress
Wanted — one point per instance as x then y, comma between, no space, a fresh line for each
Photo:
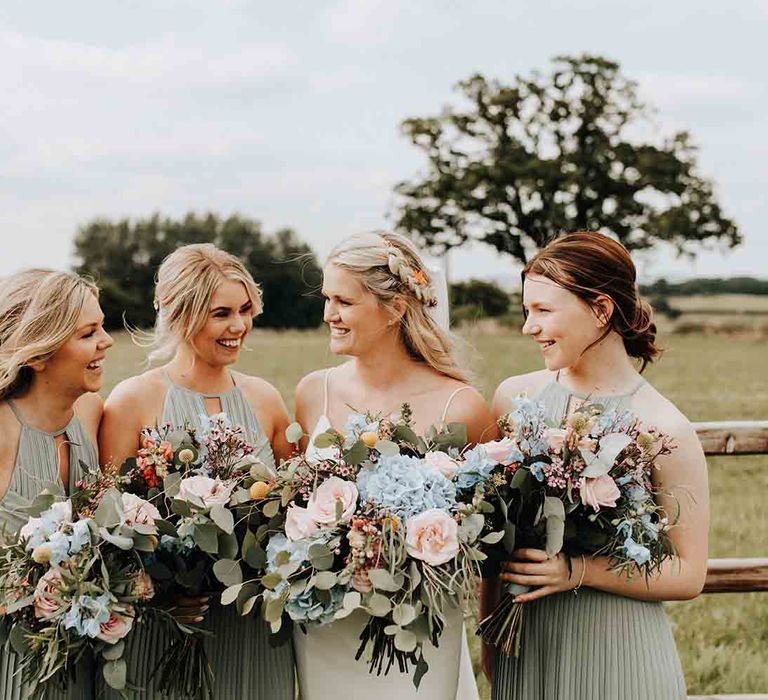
591,645
243,662
37,463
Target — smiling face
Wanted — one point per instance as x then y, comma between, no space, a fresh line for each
358,322
561,323
76,367
229,320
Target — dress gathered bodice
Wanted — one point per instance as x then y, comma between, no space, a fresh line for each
243,662
36,467
593,645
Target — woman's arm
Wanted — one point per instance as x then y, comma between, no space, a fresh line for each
682,481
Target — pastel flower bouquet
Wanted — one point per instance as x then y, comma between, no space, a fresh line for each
214,498
72,583
583,488
392,525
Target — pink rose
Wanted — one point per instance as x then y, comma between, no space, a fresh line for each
137,511
48,601
599,492
499,450
442,462
556,438
119,624
203,489
298,523
167,449
322,503
432,536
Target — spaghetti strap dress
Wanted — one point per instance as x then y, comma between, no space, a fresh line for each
244,663
37,464
593,645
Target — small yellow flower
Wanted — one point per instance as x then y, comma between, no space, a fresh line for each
259,490
645,440
42,554
370,439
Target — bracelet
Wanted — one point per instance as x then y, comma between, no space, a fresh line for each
583,571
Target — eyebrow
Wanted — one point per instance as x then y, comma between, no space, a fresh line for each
227,308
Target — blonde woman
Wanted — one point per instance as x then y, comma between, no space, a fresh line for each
206,301
52,346
381,307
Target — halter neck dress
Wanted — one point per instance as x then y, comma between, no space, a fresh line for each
325,655
243,662
593,645
36,465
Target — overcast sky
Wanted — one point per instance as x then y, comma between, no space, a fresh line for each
289,112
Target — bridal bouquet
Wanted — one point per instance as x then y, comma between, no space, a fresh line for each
583,488
213,497
392,525
72,583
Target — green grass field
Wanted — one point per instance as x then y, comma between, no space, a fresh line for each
723,639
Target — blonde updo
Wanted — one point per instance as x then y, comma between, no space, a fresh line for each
39,311
389,266
186,282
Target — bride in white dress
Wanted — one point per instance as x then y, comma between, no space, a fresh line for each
383,312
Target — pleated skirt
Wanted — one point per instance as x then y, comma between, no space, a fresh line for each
243,662
81,687
592,646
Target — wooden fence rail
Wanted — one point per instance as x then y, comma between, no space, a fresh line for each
734,575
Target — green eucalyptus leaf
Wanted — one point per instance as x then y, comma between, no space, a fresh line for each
271,508
471,527
248,605
228,545
493,537
206,537
229,595
181,508
405,640
387,448
379,605
228,571
113,651
171,484
115,673
320,556
325,580
357,454
352,600
383,580
271,580
273,611
120,541
403,614
109,512
294,432
223,517
325,440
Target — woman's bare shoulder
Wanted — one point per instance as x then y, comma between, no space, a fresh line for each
137,390
656,410
530,383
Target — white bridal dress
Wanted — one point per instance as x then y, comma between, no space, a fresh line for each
325,655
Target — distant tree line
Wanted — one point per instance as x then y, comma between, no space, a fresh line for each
707,285
123,257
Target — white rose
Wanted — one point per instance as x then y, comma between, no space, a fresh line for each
322,503
442,462
137,511
298,523
204,490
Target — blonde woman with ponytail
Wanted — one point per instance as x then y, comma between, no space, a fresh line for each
52,345
612,641
381,308
206,301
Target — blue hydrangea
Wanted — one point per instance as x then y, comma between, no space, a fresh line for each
81,535
637,552
356,424
402,485
87,614
474,467
59,543
537,469
315,606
